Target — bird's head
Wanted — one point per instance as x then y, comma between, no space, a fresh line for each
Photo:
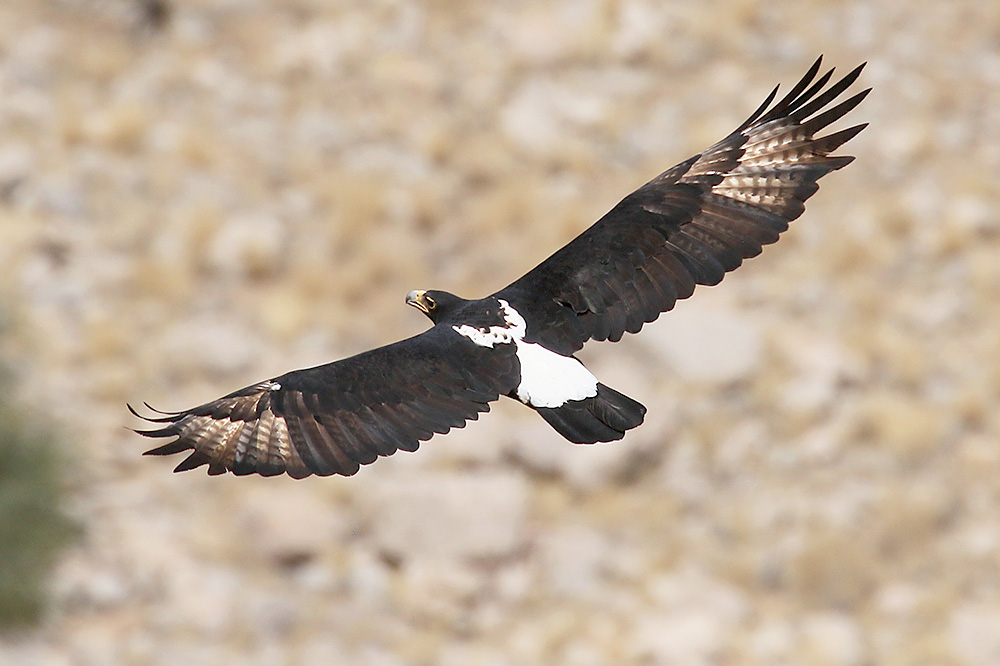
435,304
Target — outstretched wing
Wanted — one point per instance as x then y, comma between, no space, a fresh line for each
691,224
333,418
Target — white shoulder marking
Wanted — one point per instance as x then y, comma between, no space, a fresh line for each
485,337
548,379
488,337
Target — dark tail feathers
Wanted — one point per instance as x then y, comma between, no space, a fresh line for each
603,418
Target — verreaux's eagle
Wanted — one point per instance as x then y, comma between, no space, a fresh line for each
690,225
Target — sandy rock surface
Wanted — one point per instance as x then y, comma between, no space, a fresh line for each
196,201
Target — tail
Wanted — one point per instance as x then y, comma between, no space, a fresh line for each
603,418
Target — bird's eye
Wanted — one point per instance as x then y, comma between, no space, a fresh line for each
430,302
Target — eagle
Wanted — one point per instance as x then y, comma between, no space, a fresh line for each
688,226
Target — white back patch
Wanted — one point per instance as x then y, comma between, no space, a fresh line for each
548,379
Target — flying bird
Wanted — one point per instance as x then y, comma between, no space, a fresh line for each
690,225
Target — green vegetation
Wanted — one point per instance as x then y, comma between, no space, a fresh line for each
33,528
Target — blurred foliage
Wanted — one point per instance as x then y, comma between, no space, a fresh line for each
33,528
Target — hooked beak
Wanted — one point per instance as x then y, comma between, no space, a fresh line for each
416,299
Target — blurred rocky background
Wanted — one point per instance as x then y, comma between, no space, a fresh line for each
198,194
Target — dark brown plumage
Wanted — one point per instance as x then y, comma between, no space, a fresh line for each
691,224
688,226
